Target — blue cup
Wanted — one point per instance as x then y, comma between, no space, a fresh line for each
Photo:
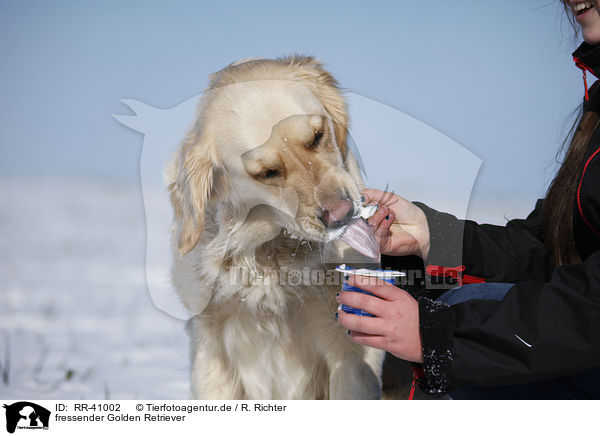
386,275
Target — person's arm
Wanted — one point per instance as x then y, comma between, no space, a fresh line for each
538,331
510,253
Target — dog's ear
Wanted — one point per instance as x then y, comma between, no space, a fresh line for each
191,179
327,90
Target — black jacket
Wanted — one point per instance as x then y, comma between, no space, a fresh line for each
555,311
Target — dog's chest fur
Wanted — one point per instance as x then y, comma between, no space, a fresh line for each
273,324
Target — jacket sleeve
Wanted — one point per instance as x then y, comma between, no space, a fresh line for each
539,330
510,253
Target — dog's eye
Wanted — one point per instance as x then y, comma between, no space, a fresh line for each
268,174
316,140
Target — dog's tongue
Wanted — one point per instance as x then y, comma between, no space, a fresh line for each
361,237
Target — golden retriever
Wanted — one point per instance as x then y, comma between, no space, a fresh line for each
262,178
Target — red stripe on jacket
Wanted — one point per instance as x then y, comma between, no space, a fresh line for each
456,273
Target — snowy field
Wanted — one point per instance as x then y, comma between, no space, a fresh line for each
76,320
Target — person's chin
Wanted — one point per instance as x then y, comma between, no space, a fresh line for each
592,35
590,27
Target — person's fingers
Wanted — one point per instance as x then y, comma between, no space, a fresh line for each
371,196
374,341
383,235
363,324
377,287
375,196
383,228
366,302
379,216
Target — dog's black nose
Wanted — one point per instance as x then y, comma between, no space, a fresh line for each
338,214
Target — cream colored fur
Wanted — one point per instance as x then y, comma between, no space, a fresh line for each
246,185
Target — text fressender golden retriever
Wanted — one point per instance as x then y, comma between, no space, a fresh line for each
261,179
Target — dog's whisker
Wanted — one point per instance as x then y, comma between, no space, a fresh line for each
296,250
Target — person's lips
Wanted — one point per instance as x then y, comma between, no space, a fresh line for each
581,8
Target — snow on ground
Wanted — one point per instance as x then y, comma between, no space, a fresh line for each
76,320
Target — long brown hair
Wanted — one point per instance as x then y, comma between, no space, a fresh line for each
558,209
557,213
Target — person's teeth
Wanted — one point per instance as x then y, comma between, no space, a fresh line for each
581,6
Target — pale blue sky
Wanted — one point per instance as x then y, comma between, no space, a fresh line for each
494,76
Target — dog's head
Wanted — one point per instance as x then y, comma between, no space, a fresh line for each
268,152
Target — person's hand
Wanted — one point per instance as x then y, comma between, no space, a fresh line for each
395,327
400,227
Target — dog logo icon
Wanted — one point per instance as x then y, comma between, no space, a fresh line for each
26,415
